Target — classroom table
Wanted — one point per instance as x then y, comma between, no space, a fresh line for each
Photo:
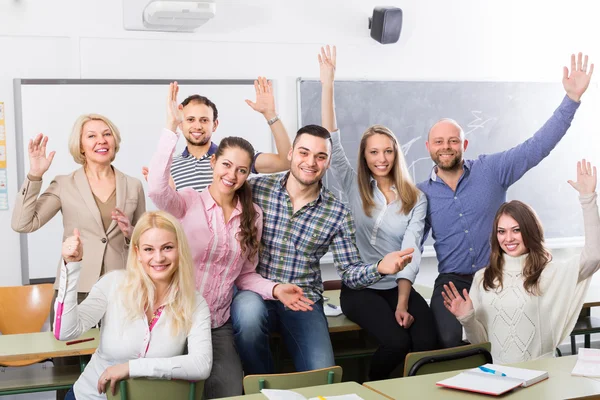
560,384
31,346
335,389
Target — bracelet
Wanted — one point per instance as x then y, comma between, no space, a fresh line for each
273,120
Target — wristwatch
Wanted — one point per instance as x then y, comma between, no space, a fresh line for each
273,120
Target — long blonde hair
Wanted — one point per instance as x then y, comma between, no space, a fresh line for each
138,290
407,191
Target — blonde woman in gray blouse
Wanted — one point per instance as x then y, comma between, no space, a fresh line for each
389,212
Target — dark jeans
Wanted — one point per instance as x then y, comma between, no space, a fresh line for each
448,328
305,333
226,376
374,310
70,395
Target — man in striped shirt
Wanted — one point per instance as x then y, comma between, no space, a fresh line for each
192,168
301,220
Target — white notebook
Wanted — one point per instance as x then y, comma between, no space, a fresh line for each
277,394
588,363
528,376
475,380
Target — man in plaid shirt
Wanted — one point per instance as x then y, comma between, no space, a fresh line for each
302,220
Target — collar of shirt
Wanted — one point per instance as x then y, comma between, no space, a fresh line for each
374,185
466,166
210,203
211,150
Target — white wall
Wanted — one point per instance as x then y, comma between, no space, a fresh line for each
441,40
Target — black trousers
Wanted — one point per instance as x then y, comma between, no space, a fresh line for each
448,328
374,310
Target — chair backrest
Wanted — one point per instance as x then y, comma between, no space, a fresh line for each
462,357
143,388
24,309
254,383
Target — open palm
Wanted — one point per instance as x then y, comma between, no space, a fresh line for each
587,176
455,303
327,63
38,162
265,100
577,81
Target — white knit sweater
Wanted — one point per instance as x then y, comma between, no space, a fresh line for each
521,326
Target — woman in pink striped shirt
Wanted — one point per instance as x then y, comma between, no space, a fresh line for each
224,228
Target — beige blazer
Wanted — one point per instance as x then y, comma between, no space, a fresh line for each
72,195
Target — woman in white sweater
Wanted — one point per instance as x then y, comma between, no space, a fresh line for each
148,311
525,302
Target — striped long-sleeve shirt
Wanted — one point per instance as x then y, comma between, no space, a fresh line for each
293,243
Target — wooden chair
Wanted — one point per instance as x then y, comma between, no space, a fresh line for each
24,309
255,383
143,388
462,357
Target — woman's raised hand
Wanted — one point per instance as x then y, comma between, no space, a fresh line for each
587,176
455,303
38,162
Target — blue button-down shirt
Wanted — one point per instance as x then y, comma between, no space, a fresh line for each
461,221
293,243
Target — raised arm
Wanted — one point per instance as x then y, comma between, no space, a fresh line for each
31,212
512,164
327,64
268,163
70,319
162,194
587,178
340,166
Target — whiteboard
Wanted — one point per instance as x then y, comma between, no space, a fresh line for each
495,116
137,107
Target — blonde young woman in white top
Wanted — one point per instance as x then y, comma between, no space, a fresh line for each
149,311
525,302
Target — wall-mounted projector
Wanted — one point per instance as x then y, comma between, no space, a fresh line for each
167,15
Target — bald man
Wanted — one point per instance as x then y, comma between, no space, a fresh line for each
464,195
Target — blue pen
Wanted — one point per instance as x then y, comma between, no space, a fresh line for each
491,371
332,306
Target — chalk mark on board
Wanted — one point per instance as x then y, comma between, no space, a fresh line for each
478,122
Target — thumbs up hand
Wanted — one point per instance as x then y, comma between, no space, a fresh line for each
72,249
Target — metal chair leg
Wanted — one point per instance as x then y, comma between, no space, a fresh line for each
573,347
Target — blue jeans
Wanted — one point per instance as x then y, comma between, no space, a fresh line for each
70,394
305,333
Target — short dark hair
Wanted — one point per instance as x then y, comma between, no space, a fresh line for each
196,98
313,130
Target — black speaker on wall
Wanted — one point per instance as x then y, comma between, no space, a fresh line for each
386,24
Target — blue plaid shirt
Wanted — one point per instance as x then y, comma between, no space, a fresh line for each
293,243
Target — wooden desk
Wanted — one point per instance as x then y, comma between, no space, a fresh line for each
336,389
560,384
341,323
31,346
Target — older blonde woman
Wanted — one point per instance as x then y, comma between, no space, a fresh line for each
94,198
150,312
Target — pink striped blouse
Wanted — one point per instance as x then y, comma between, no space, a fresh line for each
215,250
